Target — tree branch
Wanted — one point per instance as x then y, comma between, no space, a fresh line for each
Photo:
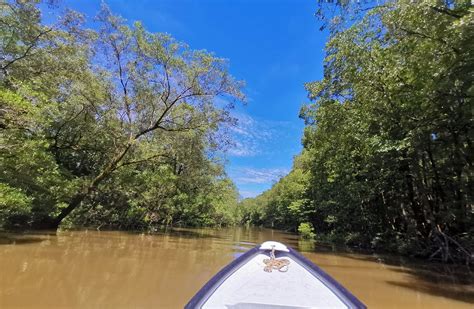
412,32
142,160
446,11
28,49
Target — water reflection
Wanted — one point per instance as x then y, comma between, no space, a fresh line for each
90,269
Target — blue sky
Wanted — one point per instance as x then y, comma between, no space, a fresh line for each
274,45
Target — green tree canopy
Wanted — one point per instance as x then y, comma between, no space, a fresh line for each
388,138
85,111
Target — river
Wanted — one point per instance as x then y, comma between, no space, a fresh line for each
91,269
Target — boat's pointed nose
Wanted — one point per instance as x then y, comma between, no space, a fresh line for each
273,245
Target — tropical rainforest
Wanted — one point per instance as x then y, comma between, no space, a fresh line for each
117,127
112,126
388,144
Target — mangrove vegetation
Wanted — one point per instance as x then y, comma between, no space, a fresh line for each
106,124
109,126
388,149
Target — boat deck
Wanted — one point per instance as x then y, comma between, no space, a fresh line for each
251,287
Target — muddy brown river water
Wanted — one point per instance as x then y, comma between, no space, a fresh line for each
91,269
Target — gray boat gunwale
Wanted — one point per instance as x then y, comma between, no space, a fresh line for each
213,284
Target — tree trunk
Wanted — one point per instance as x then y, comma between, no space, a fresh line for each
416,208
77,199
73,204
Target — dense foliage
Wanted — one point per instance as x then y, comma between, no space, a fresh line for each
111,126
388,153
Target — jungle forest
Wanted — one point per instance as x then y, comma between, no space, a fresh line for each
117,127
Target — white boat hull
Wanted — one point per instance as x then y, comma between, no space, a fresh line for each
248,282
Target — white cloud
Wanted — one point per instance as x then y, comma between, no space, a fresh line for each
242,150
251,137
247,175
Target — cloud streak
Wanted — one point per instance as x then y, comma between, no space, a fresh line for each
251,137
247,175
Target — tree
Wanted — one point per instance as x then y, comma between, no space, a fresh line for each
394,84
389,133
101,101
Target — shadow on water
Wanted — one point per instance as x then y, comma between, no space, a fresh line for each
450,281
466,296
13,238
36,237
455,282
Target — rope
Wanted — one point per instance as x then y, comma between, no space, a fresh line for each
273,263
